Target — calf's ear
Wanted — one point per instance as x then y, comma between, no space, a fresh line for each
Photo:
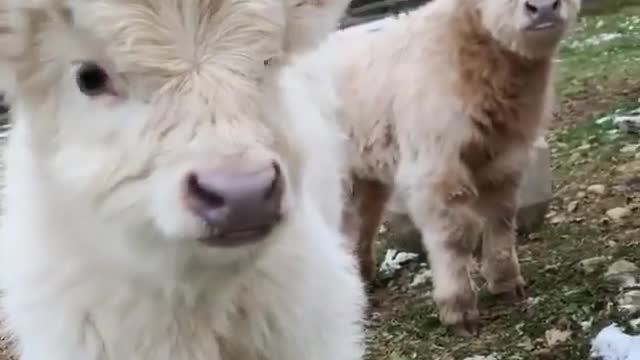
14,37
17,21
310,21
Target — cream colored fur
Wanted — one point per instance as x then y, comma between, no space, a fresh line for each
410,118
98,257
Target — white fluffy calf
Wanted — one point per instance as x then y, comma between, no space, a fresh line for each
443,106
173,184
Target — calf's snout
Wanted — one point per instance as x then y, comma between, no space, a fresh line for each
237,202
542,8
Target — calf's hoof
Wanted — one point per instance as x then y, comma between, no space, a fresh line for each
467,329
464,324
512,291
460,315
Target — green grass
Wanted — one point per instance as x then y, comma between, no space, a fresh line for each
600,7
587,63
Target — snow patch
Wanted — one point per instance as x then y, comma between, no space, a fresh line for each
612,344
394,259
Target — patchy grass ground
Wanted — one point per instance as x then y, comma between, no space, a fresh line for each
599,74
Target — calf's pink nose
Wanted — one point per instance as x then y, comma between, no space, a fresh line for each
236,202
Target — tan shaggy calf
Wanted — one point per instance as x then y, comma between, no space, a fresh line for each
443,106
174,183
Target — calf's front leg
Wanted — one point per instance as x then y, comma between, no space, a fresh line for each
449,229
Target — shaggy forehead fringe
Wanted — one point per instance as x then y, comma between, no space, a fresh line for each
154,38
176,36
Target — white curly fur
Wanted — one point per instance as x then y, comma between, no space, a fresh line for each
98,257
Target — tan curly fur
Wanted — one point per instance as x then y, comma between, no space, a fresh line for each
443,106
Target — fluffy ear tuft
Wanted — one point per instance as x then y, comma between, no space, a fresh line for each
16,20
310,21
13,30
13,42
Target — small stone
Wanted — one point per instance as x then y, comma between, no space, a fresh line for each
555,336
534,237
396,356
630,302
624,280
613,134
629,148
629,122
631,167
526,344
543,354
621,266
603,119
618,213
635,324
583,147
382,229
481,357
575,157
421,278
532,301
581,194
591,264
622,273
573,206
596,189
444,357
586,325
551,267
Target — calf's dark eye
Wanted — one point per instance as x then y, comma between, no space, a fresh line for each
92,80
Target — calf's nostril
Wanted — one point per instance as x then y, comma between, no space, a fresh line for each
530,7
205,194
275,190
235,200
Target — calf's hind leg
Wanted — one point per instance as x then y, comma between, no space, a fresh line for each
365,211
500,267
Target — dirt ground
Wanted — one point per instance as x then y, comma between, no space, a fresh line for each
599,74
567,303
